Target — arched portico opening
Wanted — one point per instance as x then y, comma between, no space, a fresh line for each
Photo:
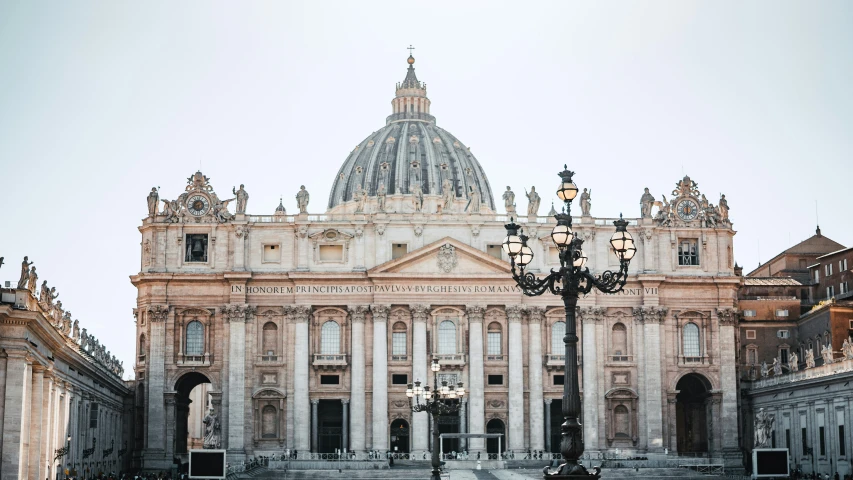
493,446
691,407
191,404
400,436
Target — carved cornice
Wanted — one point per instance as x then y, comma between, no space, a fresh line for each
475,313
158,313
590,314
380,312
357,312
237,312
513,313
727,316
535,314
420,312
650,314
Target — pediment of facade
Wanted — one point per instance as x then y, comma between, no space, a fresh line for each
445,257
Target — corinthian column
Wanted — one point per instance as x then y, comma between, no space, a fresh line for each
156,363
36,417
515,442
357,386
236,315
301,406
651,317
728,379
590,317
477,407
534,377
420,425
380,377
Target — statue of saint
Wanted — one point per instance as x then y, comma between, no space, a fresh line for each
25,273
448,195
359,196
826,353
380,197
809,358
763,428
242,198
212,430
473,200
585,204
33,281
533,201
66,323
777,367
84,339
44,294
75,330
793,362
153,200
723,208
509,201
646,202
302,198
417,196
764,370
848,351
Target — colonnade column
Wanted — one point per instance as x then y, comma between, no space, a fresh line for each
36,416
463,423
420,422
357,396
301,354
380,376
534,376
13,413
728,380
156,416
548,425
345,429
475,376
315,427
515,442
651,317
48,424
589,316
236,315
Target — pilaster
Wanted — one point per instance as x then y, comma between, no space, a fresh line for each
301,407
515,440
475,376
728,380
651,318
357,377
236,315
380,377
156,415
590,317
36,422
420,422
535,317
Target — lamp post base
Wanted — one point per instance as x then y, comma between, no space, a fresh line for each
571,472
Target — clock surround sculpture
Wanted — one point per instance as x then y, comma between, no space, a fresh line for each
571,280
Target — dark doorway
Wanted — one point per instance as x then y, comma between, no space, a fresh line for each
449,424
556,422
690,413
495,426
330,414
400,436
183,387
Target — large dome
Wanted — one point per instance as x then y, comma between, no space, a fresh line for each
410,148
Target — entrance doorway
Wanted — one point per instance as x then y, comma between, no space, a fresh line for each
400,436
556,423
691,413
191,404
495,425
331,417
450,424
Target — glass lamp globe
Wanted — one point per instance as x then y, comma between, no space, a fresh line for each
629,252
511,245
444,388
567,191
435,366
460,389
524,257
427,393
562,235
410,391
580,259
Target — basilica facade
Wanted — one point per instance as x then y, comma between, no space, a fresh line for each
305,329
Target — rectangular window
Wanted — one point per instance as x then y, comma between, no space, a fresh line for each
398,343
496,379
752,356
781,312
842,446
816,275
494,250
331,253
272,254
494,343
399,379
822,440
196,247
841,265
750,334
783,334
804,440
688,252
830,291
398,250
788,438
559,380
330,380
844,265
749,313
783,355
842,287
93,416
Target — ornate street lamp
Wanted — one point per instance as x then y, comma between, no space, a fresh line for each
570,281
436,401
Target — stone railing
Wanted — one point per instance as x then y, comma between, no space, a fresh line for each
330,362
450,359
620,358
495,358
837,367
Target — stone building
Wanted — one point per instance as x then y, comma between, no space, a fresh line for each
832,275
308,327
63,404
794,262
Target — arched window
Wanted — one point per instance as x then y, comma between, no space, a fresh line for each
691,340
398,339
619,343
269,422
447,337
270,340
621,422
195,338
558,330
330,338
494,339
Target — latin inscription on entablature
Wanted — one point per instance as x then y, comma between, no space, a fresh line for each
369,289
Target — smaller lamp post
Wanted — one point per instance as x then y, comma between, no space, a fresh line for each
436,401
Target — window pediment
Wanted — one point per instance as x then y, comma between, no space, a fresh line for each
268,392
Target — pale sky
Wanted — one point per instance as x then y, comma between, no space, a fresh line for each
100,101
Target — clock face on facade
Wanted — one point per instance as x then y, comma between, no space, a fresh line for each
198,205
687,209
